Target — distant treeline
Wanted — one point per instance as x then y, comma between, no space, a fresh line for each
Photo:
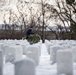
50,35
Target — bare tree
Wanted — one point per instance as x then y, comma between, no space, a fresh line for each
64,12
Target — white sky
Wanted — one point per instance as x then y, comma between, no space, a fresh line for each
14,9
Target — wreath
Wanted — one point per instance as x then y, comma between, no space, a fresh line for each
32,39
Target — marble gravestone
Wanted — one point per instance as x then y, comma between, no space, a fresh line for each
35,53
64,62
13,53
53,53
1,63
74,53
25,67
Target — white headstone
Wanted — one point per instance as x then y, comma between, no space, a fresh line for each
1,44
35,53
1,63
30,56
24,47
4,48
53,53
49,45
25,67
39,48
74,53
18,52
9,54
13,53
64,62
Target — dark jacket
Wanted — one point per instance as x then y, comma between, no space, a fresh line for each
29,32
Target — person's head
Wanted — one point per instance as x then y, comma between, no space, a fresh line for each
31,26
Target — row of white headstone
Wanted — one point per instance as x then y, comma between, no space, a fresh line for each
63,56
14,53
22,67
52,49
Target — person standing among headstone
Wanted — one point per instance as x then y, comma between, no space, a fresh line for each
29,32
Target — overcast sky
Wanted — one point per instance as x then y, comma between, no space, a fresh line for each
14,1
14,9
